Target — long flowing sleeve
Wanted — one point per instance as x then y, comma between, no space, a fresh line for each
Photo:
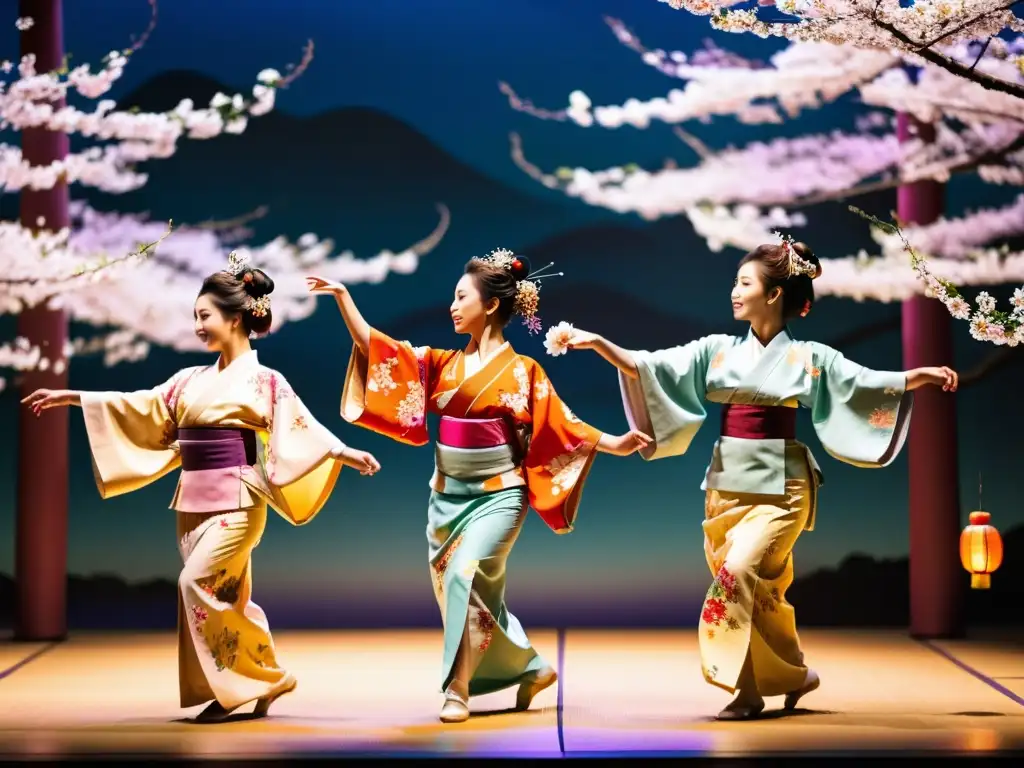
132,434
666,401
560,453
387,391
861,416
300,456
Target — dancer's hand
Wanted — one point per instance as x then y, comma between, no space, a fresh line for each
624,445
316,284
42,399
581,339
940,376
944,377
361,460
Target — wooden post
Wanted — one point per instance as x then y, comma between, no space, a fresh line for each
936,584
42,513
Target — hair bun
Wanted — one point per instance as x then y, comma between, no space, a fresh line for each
257,283
520,267
804,251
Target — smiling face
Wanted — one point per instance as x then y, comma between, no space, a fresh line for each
749,297
212,327
469,312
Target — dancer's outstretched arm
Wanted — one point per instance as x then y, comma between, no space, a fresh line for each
354,320
610,351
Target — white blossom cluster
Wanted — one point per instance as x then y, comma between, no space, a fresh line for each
738,196
922,31
102,268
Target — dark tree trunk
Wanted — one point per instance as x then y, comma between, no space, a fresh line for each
42,515
936,584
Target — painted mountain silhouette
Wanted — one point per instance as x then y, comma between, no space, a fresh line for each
355,174
860,592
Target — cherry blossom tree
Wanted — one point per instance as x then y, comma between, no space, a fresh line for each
952,107
929,32
132,279
738,196
95,268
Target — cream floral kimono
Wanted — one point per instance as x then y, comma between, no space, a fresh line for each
225,648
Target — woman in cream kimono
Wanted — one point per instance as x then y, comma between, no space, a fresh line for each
243,439
506,441
761,483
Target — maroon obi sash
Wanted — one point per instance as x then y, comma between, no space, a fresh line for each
216,448
474,433
759,422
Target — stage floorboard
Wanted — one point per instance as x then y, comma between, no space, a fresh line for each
639,692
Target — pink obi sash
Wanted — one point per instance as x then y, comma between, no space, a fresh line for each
758,422
474,433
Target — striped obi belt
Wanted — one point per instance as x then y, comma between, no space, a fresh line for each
212,462
479,455
758,422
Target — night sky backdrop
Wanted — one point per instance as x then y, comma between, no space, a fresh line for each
399,110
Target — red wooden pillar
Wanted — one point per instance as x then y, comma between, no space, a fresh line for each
42,514
936,584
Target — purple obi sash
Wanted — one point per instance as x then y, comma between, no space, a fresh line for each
216,448
759,422
474,433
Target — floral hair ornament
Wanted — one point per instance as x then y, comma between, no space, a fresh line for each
238,264
528,284
258,307
797,264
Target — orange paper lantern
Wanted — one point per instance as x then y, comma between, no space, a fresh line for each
981,550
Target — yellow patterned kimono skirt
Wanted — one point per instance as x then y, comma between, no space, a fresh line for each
745,620
225,651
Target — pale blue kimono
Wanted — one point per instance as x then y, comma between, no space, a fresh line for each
861,416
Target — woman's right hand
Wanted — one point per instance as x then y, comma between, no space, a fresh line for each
42,399
581,339
321,285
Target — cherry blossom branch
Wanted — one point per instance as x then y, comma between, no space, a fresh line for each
987,323
878,25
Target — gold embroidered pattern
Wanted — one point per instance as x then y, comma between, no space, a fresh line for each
882,418
718,359
518,401
412,408
801,354
380,376
565,470
541,389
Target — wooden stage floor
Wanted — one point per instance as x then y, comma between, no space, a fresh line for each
628,693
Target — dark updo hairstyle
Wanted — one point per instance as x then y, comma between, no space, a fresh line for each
231,296
797,290
496,282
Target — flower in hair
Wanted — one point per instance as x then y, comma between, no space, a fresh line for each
258,307
237,263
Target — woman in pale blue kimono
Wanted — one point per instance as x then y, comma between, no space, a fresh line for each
761,484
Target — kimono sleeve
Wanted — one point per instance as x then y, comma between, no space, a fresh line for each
861,416
300,456
558,459
387,390
132,434
666,401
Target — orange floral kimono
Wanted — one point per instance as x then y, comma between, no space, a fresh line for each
506,442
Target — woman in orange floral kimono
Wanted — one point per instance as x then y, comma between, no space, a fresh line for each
243,439
506,441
